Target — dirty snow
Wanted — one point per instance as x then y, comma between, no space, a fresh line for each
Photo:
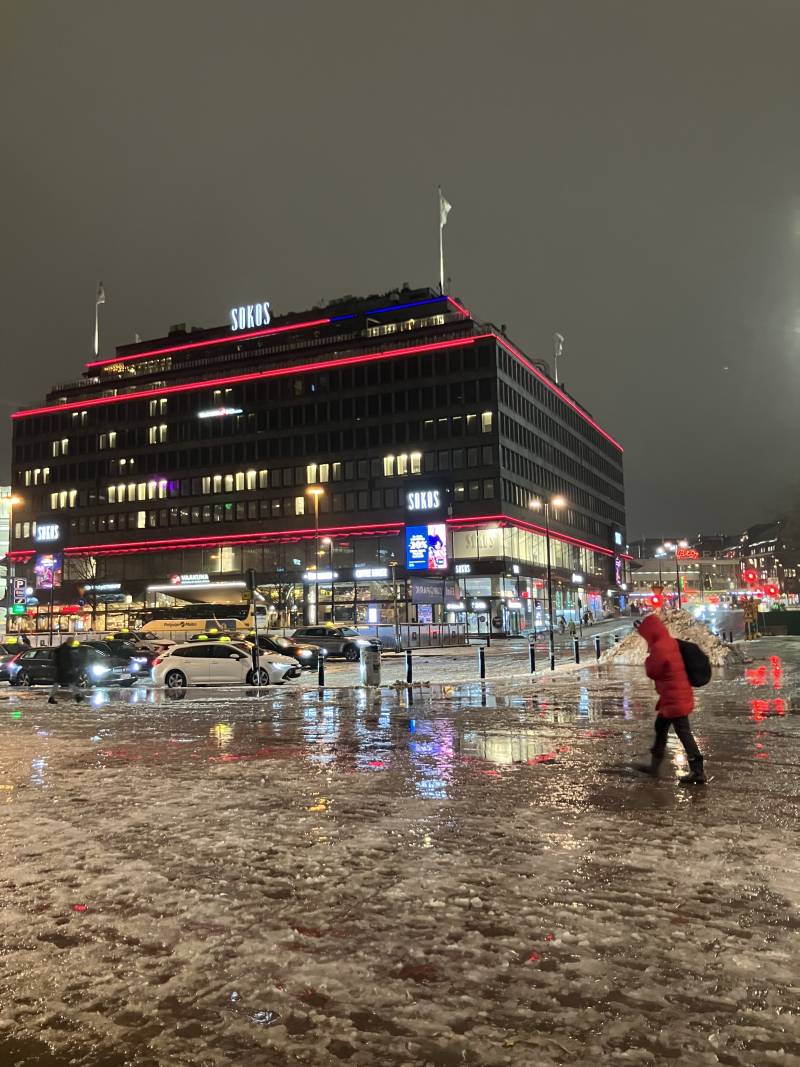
349,878
632,650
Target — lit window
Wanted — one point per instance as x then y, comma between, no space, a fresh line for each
416,462
27,477
217,483
402,464
299,505
311,473
26,529
56,448
64,446
239,481
388,466
45,475
152,435
206,484
53,501
131,491
162,488
228,483
141,491
486,422
73,497
37,475
112,494
263,479
337,472
472,423
251,479
151,490
141,520
324,472
62,498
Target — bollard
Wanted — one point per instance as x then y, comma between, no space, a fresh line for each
597,646
482,661
409,667
577,649
616,639
532,653
552,661
320,668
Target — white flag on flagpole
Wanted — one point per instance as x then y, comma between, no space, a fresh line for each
101,293
444,208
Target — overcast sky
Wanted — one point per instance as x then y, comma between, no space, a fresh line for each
626,172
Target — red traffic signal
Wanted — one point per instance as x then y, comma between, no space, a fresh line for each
772,590
750,576
656,601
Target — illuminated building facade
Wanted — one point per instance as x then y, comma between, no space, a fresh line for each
199,454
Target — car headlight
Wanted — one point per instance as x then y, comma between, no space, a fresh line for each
363,644
305,654
98,671
277,666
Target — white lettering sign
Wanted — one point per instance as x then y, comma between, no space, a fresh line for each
188,579
320,576
251,316
463,568
217,413
48,531
423,500
371,572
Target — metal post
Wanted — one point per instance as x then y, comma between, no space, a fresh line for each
52,594
482,661
488,628
678,578
576,646
256,650
330,568
549,584
532,655
320,668
616,639
398,643
409,667
597,646
316,559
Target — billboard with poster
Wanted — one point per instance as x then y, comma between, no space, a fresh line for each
426,547
47,568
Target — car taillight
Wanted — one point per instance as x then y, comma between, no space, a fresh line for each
157,660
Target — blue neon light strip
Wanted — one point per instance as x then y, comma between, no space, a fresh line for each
394,307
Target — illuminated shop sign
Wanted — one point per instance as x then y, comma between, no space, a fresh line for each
188,579
577,579
463,568
371,572
458,606
423,499
47,568
105,587
320,576
217,413
687,553
250,316
426,547
48,531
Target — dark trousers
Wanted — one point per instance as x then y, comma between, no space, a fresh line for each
685,736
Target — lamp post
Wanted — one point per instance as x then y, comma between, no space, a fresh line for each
13,501
316,492
393,565
329,542
544,505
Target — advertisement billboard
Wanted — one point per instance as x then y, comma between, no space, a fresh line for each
47,568
426,547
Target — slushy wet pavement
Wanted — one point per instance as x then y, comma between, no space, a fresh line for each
348,876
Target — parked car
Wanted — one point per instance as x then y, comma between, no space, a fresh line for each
337,640
37,666
10,649
137,659
306,655
223,662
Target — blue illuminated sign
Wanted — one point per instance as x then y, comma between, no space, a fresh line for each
426,547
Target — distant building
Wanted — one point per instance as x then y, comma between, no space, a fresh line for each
5,523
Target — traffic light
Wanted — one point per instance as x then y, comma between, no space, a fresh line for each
750,576
772,590
656,601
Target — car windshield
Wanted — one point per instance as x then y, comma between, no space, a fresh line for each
282,642
348,631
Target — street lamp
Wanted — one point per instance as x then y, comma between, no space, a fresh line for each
329,542
316,491
544,505
13,501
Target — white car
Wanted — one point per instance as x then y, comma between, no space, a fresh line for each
219,663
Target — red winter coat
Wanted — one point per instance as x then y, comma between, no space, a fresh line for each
665,666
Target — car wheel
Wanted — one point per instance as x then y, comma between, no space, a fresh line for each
175,680
352,653
259,677
23,678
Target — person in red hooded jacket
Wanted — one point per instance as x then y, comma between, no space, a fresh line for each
675,699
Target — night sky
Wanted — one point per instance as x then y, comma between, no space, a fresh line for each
626,172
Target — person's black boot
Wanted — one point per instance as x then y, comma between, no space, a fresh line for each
653,767
696,775
52,700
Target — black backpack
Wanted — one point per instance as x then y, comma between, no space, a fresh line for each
696,662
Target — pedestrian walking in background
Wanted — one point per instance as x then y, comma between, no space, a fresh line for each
665,666
571,627
69,659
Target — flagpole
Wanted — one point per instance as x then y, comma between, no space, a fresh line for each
441,246
96,329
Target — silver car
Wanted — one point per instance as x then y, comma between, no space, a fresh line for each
337,640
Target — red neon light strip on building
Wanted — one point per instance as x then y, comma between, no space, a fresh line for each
277,372
305,368
468,520
231,338
512,351
459,307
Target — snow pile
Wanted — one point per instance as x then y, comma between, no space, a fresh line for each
633,649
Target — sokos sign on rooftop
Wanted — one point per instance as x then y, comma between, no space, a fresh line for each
250,316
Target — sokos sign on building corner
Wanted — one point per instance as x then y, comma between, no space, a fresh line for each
250,316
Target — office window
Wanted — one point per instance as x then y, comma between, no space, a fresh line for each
141,520
299,505
239,481
336,472
217,483
311,474
459,491
486,422
263,479
388,466
227,481
250,479
402,464
416,462
488,488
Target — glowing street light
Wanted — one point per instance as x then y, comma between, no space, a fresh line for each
544,505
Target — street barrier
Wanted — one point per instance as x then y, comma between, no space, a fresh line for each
482,661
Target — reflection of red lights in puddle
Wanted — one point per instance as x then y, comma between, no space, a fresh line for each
756,675
545,757
79,907
760,709
376,763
